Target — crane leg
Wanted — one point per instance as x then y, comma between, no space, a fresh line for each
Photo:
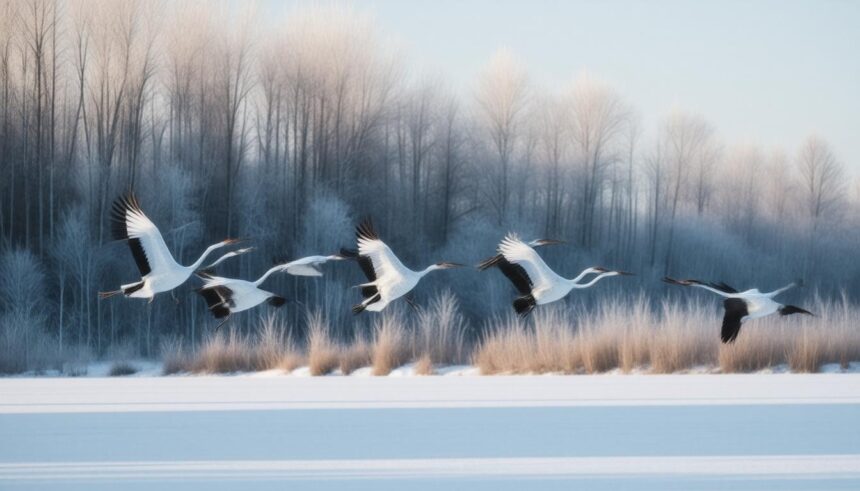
222,323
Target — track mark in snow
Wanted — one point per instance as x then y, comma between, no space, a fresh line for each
832,466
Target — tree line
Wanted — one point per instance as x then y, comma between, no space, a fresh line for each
288,131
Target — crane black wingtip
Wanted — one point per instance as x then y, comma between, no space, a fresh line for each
524,305
277,301
489,262
220,312
365,230
349,253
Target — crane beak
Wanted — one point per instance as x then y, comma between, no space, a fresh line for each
446,265
233,241
625,273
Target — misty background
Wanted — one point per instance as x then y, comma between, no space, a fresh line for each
286,125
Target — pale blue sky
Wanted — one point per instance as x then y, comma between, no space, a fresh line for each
761,71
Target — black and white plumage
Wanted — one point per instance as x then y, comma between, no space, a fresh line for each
742,306
159,271
388,279
227,296
533,279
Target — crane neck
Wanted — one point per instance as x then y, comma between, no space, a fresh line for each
585,272
594,280
209,250
273,269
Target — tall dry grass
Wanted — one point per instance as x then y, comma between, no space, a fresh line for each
684,337
440,332
676,338
627,335
323,351
226,351
391,342
355,355
513,346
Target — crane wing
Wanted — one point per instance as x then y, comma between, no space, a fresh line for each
736,309
384,262
521,254
218,297
210,281
216,300
128,222
514,272
306,266
366,266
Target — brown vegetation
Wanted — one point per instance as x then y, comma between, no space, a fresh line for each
628,336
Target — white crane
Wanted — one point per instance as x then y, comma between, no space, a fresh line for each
742,306
158,270
536,282
388,278
226,296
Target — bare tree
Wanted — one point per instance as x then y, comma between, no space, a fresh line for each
823,184
233,80
554,147
823,179
502,97
687,140
597,125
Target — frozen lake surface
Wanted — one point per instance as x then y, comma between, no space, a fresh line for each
760,431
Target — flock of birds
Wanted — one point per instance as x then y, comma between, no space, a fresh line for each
387,278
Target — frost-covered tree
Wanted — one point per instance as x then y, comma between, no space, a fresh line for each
502,97
822,177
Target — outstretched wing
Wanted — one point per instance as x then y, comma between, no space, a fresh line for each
306,266
384,262
218,297
521,254
366,267
736,309
514,272
128,222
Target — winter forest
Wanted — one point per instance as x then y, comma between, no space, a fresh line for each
287,134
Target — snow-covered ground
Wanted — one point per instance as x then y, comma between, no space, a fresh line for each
762,431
